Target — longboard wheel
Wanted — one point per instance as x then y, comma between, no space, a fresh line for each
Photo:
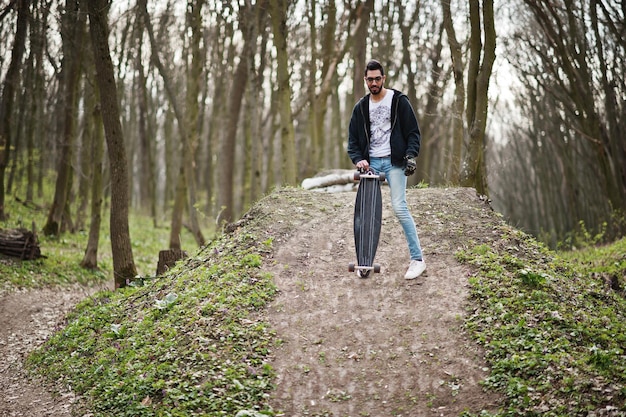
351,267
376,268
381,177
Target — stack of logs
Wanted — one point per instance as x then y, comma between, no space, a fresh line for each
19,243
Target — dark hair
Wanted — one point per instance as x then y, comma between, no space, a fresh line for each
374,65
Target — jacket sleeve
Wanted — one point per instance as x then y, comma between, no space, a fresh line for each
354,144
410,127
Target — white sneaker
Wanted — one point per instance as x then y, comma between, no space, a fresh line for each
416,268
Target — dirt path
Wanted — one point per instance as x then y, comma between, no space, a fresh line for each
27,318
381,346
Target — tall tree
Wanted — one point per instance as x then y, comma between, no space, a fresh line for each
481,59
192,110
35,87
90,258
145,131
9,88
187,119
219,53
72,30
359,49
278,12
123,264
471,99
227,161
458,68
338,35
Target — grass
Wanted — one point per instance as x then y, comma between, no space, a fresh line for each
186,344
553,329
61,262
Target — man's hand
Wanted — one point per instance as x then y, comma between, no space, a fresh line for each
362,165
411,166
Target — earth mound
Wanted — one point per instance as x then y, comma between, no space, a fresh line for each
379,346
383,345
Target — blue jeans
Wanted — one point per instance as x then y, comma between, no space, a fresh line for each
397,187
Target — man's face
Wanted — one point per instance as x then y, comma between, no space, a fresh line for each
374,81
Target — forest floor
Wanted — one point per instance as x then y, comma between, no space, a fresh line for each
27,319
379,346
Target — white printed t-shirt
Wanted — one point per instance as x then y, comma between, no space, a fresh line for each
380,126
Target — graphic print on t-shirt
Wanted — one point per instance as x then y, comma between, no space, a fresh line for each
380,126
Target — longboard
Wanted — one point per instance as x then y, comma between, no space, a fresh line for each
368,210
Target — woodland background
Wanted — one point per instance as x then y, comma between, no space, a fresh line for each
190,111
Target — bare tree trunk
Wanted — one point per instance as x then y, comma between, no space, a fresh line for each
190,142
8,94
18,134
123,264
219,55
229,135
613,134
332,55
228,142
479,73
459,94
187,123
270,146
36,109
475,100
359,49
432,131
258,143
85,162
73,28
336,136
35,101
90,259
278,11
309,158
329,59
181,187
147,171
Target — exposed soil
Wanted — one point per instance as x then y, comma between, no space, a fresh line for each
27,319
380,346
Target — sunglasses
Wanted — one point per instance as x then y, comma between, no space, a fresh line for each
372,79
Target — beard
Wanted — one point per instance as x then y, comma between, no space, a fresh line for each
375,89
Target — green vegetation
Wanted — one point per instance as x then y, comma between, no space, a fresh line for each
185,343
553,325
60,267
61,262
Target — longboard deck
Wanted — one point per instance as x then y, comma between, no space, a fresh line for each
368,210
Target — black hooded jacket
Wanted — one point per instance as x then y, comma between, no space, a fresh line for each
405,131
